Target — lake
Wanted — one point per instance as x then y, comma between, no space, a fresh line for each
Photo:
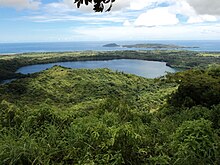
147,69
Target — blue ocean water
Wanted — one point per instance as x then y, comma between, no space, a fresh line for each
8,48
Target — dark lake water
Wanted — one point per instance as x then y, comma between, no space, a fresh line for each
148,69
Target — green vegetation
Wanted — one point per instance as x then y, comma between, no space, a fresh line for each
210,54
197,88
177,59
81,116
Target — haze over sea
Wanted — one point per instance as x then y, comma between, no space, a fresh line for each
8,48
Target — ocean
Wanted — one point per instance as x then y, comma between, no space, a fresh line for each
11,48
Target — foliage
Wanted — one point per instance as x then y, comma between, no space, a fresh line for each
99,5
82,116
195,143
197,87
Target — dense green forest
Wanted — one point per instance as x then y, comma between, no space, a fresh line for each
82,116
174,58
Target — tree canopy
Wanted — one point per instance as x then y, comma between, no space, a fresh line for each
99,5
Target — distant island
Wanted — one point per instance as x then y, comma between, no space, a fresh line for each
111,45
156,46
151,46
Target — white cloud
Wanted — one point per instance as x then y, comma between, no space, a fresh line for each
139,4
179,32
128,20
126,23
157,17
183,8
21,4
202,18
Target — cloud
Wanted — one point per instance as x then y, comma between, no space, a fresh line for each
157,17
20,4
211,7
66,10
202,18
139,4
183,8
127,23
178,32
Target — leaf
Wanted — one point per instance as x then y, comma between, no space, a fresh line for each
98,7
86,2
78,4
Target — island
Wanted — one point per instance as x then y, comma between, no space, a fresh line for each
111,45
150,46
156,46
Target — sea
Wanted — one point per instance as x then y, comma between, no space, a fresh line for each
13,48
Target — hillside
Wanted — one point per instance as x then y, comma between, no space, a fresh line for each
67,86
82,116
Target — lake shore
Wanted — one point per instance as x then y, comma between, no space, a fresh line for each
9,64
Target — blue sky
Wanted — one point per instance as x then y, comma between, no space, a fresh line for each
59,20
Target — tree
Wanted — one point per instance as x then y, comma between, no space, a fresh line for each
195,142
197,87
99,5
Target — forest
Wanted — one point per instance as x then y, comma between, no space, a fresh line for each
84,116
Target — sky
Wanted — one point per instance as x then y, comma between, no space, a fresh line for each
61,21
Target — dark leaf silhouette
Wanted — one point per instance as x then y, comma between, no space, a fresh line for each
99,5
